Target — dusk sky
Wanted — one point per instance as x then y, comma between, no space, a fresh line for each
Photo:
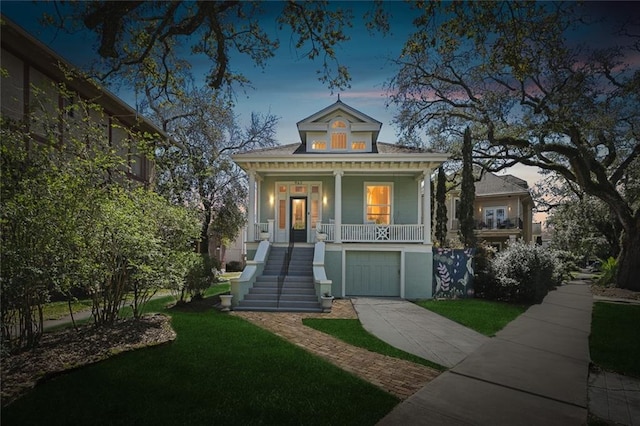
288,86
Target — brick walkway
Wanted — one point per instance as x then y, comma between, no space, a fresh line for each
396,376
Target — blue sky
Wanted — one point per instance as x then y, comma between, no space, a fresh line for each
288,86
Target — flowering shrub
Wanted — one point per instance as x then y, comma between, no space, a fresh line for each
525,273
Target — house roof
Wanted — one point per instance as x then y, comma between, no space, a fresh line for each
290,159
492,184
339,105
319,120
383,157
294,149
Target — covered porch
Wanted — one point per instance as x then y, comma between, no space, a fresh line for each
379,205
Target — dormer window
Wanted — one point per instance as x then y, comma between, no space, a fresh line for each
318,145
339,131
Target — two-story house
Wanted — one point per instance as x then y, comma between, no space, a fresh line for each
30,95
503,210
355,204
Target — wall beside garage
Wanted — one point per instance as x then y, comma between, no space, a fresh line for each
333,269
418,275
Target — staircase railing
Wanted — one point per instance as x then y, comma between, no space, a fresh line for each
284,271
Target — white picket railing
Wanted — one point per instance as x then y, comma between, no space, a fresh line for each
356,233
328,229
258,228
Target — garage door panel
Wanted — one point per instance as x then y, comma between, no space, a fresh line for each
373,274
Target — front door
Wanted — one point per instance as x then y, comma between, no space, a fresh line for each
298,209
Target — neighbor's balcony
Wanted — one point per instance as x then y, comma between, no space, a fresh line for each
493,224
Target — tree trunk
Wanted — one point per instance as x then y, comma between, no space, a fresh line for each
203,247
629,259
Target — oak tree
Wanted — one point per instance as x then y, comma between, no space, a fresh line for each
532,95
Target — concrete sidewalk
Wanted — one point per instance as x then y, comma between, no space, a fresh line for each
533,372
416,330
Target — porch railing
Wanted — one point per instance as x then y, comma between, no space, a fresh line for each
258,228
362,233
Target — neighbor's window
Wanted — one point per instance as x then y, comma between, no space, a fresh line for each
378,208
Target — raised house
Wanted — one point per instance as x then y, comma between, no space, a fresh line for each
339,213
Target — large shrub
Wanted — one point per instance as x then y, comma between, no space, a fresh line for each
484,281
202,274
525,273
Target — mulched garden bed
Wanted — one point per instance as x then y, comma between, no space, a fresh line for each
69,349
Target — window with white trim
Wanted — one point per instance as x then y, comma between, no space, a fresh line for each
378,203
494,216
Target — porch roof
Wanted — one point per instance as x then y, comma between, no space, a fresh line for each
389,157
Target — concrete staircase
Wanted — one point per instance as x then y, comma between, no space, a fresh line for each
297,292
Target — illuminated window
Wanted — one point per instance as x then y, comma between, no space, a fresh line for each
319,145
378,204
339,131
358,146
282,214
339,140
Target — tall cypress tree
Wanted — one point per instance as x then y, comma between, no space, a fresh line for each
441,208
467,193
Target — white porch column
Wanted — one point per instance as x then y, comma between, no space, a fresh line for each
426,205
338,206
251,208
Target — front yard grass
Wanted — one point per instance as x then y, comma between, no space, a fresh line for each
615,337
220,370
352,332
484,316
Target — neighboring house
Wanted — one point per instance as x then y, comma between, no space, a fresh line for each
362,197
503,210
31,72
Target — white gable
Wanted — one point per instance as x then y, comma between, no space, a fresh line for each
339,128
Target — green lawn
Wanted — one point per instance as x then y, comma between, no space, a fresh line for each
351,331
615,337
484,316
220,370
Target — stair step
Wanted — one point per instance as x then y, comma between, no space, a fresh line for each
287,284
280,309
274,304
284,297
285,290
297,289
